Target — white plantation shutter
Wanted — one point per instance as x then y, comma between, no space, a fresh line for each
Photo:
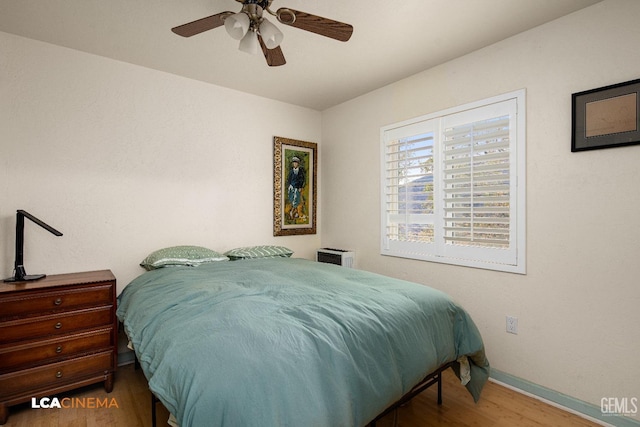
478,177
453,187
408,199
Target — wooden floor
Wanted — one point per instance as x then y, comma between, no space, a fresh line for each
498,407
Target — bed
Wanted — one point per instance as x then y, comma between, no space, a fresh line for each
290,342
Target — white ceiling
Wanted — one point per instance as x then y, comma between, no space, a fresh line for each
391,39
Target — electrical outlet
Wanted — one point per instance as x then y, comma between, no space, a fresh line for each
512,325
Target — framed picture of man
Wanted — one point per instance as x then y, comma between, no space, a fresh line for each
294,186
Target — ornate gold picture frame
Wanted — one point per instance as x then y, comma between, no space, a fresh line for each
295,194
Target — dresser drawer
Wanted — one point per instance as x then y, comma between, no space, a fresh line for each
39,302
56,374
21,355
57,324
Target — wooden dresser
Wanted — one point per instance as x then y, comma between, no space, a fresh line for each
56,334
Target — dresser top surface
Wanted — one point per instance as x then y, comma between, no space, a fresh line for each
54,280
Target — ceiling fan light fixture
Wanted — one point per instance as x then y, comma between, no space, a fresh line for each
249,43
271,35
258,34
237,25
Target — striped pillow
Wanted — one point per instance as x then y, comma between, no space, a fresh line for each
191,256
265,251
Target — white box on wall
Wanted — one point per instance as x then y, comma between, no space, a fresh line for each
341,257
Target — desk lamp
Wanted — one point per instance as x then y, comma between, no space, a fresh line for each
20,274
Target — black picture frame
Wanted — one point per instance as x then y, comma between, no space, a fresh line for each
606,117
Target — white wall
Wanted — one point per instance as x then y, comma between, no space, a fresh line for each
579,303
124,160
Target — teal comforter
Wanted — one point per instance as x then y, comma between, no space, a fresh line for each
290,342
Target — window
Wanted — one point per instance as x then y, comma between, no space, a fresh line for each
453,187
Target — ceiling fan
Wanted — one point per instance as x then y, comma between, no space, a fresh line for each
255,32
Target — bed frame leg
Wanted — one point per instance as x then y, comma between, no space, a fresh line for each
154,400
440,388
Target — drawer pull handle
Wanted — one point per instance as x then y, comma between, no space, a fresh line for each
59,374
58,325
59,349
58,301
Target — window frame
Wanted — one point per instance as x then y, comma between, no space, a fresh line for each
492,258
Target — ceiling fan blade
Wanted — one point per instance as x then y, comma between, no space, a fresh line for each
316,24
201,25
274,57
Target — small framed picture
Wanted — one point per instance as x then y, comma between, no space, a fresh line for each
606,117
295,194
